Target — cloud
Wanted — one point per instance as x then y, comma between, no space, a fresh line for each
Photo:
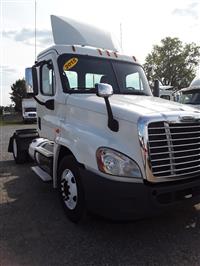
7,75
190,11
27,36
7,69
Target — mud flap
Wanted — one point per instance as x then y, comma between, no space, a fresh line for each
23,139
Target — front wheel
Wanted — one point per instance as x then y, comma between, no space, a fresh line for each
70,189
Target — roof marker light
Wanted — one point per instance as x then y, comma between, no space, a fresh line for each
134,58
107,52
100,52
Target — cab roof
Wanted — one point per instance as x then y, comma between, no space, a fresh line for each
194,85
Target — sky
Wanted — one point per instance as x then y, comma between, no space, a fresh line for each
144,23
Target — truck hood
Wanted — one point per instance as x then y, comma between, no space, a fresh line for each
131,107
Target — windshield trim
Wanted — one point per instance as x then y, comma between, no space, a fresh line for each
93,91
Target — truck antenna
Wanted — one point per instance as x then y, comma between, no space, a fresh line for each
121,36
35,30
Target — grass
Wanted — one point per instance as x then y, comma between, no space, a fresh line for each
10,122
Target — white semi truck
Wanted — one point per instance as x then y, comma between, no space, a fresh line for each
103,140
29,113
191,95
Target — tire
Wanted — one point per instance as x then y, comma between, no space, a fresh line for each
70,189
19,156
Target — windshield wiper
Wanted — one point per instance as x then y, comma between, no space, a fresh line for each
135,92
93,90
82,90
192,103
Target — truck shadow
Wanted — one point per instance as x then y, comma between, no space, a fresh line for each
35,231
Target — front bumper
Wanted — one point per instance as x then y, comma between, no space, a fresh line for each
127,201
30,118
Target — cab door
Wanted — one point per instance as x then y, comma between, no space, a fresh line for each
46,99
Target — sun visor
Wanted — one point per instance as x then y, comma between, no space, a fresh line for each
70,32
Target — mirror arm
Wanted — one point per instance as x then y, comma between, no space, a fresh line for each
112,123
156,88
49,104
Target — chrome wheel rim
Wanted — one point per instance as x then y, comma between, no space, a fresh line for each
15,148
69,189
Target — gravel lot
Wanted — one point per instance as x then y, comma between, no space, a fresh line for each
5,133
35,231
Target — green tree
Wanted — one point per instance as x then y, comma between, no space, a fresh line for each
18,92
172,63
1,110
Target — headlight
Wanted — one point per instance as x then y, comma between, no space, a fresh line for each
115,163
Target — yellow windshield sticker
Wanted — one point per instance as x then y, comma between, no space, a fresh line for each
70,63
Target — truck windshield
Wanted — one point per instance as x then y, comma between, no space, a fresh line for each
190,97
30,109
79,74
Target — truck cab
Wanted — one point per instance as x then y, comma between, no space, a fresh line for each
29,113
107,144
191,95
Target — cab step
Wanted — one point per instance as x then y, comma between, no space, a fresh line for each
41,173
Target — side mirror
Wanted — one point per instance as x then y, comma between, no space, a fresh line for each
31,80
104,90
156,89
35,80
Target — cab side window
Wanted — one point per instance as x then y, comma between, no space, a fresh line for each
133,81
47,79
91,79
72,78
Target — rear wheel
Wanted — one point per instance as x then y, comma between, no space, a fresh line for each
70,189
19,156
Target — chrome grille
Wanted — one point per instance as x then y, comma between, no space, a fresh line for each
32,115
174,149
